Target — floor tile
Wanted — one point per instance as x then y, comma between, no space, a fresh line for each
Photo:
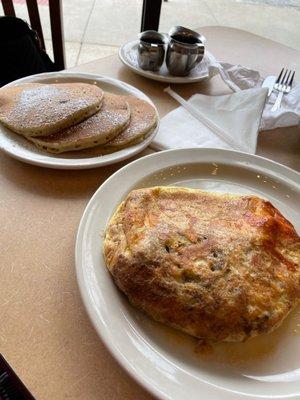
113,22
72,51
190,13
76,15
277,23
91,52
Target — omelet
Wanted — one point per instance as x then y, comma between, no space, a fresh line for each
35,109
222,267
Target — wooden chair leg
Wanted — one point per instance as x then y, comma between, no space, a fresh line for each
57,33
150,15
35,21
8,8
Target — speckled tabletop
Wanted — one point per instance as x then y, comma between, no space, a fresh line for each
45,333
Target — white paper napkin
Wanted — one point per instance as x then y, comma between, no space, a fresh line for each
242,114
238,114
238,78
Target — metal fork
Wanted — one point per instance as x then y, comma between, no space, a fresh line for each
283,85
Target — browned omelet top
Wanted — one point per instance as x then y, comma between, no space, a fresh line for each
221,267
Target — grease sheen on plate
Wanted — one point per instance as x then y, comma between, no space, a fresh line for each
170,364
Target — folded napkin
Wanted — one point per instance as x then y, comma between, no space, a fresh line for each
238,114
239,78
241,114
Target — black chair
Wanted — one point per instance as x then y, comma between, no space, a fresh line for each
55,11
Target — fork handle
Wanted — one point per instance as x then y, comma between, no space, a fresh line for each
277,103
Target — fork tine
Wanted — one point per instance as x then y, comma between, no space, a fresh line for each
283,78
291,80
279,76
288,77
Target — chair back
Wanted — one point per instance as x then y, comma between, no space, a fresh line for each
55,11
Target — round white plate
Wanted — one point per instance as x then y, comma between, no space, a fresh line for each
163,360
128,55
18,147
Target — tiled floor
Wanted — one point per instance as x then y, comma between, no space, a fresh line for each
96,28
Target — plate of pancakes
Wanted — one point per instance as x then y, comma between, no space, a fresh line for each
74,120
188,263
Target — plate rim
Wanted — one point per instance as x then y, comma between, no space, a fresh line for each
157,77
83,289
92,162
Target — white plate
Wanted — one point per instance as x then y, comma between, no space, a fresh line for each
128,55
18,147
163,360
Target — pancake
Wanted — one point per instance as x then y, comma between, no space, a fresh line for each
35,109
219,267
143,120
113,116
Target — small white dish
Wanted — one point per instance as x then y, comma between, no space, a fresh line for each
18,147
128,55
162,359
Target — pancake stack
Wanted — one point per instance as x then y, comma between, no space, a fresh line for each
63,117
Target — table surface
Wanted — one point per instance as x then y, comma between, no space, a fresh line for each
45,333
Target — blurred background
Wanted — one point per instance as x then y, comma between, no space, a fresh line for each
96,28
